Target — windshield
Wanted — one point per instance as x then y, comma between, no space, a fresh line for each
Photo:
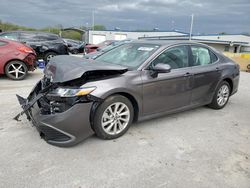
131,55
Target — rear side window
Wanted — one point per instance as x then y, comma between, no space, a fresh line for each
47,37
10,36
176,57
201,56
29,37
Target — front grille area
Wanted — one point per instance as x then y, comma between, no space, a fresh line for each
51,134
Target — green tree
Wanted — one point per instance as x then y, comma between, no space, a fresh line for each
99,27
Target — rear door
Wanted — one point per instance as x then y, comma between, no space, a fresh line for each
206,74
168,91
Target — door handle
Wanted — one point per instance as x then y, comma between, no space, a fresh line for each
217,69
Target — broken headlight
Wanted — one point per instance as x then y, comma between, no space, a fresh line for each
71,92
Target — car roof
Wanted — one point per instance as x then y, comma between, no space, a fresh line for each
21,31
165,42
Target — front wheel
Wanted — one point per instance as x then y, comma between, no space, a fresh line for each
113,117
221,96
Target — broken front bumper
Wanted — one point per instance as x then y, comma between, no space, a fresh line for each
62,129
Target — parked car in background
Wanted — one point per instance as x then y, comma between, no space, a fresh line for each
16,59
46,45
135,81
75,46
99,51
93,47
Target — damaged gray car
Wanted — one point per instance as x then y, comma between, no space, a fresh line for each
136,81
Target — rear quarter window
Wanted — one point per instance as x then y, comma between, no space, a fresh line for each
214,58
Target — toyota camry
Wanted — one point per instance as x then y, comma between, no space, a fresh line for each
133,82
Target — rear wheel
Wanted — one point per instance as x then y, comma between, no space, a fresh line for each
221,96
16,70
113,117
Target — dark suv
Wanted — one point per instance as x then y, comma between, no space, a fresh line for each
46,45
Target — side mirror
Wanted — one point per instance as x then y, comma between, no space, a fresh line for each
162,68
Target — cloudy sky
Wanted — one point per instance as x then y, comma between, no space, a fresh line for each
212,16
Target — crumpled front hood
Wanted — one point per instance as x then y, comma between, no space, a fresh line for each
65,68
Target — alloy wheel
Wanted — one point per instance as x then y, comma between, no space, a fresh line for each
223,95
115,118
16,70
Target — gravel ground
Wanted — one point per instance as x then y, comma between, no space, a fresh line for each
196,148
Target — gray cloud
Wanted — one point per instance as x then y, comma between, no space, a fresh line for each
212,16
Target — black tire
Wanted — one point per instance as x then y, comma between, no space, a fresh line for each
215,104
98,117
16,65
48,56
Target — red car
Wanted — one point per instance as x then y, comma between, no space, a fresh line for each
93,47
16,59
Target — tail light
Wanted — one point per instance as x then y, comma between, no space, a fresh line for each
25,49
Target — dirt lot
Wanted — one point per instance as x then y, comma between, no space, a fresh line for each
197,148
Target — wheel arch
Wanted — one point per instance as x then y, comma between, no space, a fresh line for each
134,102
230,82
129,96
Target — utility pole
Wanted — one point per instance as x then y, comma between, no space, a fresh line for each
93,20
191,27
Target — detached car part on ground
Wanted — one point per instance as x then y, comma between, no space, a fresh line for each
46,45
16,59
133,82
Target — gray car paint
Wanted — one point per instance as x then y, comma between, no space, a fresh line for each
166,93
66,68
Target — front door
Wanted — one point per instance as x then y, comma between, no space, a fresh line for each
167,91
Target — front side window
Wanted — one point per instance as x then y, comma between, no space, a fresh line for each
176,57
131,55
10,36
201,56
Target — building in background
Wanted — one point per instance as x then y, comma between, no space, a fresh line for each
224,43
233,43
95,37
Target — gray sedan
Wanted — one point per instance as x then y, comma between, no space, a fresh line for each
133,82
